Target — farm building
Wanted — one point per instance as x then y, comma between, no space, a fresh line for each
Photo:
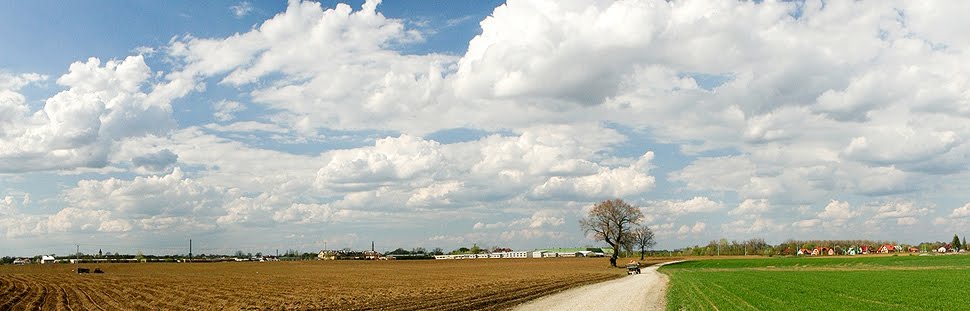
865,249
347,255
852,251
47,259
100,260
887,248
516,255
831,252
327,255
804,251
21,261
822,251
913,249
560,252
459,256
510,254
479,256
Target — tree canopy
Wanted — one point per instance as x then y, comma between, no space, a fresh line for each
611,221
642,239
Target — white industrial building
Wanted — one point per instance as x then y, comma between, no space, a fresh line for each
522,254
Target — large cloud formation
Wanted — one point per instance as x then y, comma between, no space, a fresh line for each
774,107
77,126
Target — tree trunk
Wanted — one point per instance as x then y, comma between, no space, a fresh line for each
615,253
641,254
613,258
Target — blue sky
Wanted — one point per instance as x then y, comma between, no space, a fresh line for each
67,30
137,125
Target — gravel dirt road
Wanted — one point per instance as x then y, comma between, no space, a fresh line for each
644,291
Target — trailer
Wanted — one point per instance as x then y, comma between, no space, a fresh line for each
632,269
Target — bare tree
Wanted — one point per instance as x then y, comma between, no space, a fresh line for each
642,239
611,221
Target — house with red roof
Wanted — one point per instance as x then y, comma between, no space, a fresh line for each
887,248
944,248
822,251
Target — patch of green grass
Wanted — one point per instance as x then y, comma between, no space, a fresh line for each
866,283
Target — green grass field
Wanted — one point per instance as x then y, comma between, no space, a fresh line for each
842,283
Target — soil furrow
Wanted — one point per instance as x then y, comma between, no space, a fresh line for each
316,285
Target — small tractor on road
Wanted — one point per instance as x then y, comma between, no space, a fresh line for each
632,269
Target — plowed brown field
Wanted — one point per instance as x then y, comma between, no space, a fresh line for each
311,285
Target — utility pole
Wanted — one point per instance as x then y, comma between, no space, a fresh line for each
77,256
190,249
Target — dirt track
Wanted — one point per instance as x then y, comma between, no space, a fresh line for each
644,291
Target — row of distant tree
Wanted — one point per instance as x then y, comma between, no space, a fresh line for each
290,254
107,255
620,225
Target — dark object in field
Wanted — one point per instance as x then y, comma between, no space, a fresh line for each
98,270
83,270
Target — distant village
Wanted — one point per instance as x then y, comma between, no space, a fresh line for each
867,249
759,247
